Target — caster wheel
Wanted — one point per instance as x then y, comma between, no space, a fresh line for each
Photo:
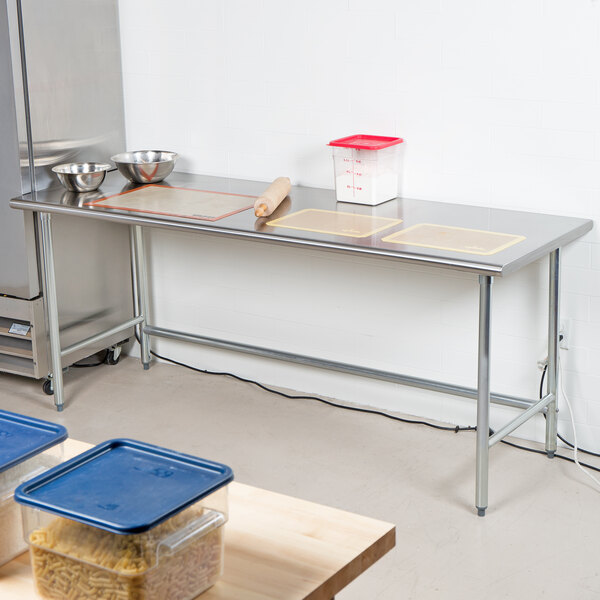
47,387
113,355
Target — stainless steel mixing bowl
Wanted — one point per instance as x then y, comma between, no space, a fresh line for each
82,177
145,166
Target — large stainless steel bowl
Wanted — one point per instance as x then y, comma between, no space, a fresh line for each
145,166
82,177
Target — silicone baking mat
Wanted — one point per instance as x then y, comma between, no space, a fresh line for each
177,202
457,239
337,223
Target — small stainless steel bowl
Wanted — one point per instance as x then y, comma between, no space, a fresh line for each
81,177
145,166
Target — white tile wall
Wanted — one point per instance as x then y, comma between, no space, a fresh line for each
500,105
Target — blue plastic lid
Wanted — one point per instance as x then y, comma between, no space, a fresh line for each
124,486
22,437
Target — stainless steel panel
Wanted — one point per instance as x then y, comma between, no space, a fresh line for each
72,53
543,233
73,58
38,320
15,308
93,272
18,260
61,94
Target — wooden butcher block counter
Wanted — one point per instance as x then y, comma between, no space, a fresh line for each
276,548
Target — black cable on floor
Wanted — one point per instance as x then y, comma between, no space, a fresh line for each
455,428
543,452
370,411
82,365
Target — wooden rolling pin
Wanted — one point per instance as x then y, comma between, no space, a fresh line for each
272,197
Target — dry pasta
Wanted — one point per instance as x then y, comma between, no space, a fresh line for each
73,561
12,542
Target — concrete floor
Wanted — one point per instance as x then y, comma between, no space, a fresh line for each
538,540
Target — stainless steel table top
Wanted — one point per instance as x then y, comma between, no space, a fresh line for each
543,233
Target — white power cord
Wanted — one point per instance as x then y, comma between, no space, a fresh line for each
575,448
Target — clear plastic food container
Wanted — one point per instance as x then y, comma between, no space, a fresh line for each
368,168
127,521
27,447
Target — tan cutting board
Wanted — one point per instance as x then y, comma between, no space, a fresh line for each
178,202
456,239
337,223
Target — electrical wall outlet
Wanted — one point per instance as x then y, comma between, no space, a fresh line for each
563,342
563,334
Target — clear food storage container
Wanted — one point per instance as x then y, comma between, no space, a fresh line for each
126,521
368,168
27,447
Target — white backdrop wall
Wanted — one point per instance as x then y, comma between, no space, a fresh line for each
500,105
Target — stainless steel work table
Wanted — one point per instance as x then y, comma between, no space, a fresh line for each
544,235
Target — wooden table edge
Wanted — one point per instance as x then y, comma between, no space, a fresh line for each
336,583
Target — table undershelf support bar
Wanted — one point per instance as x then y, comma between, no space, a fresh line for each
518,421
427,384
100,336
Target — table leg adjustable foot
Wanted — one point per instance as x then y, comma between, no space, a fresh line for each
550,453
481,512
146,366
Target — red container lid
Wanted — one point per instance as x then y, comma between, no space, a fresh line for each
366,142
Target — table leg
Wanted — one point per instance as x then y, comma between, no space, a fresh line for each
483,395
49,283
141,289
553,341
